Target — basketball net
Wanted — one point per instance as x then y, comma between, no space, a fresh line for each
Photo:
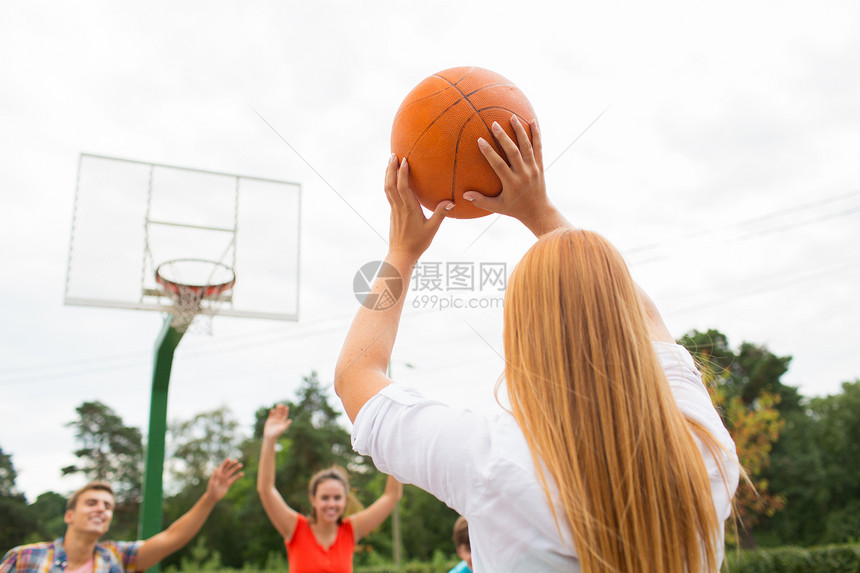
191,281
188,314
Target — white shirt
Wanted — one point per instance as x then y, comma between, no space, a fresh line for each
481,467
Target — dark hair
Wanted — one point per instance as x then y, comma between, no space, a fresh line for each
335,473
97,485
461,533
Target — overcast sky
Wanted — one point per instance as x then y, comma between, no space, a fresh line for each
724,166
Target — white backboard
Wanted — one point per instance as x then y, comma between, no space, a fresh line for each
131,216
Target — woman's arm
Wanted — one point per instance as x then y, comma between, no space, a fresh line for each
282,516
524,198
657,329
372,516
360,371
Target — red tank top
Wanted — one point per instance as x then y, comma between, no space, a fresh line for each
306,555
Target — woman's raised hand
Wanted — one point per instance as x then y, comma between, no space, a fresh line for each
277,422
410,232
523,195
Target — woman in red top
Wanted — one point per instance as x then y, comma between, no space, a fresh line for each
323,542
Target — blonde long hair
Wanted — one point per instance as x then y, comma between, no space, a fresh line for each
587,389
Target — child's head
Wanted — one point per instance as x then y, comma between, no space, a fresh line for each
461,540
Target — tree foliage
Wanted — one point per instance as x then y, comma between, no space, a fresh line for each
16,522
108,450
745,373
241,534
427,525
816,465
8,475
48,510
754,430
316,439
113,452
800,453
200,444
746,390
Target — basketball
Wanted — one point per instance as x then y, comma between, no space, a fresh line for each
437,128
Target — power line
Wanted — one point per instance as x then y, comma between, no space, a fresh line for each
791,226
757,220
764,286
97,365
76,368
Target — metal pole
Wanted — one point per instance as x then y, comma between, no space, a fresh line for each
150,511
395,521
395,535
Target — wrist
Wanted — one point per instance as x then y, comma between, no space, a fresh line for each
209,499
544,220
402,259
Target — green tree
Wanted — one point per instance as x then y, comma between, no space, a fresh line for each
223,534
110,451
747,391
746,373
48,511
200,444
754,430
427,525
815,464
8,475
238,530
238,533
16,523
760,371
838,439
316,440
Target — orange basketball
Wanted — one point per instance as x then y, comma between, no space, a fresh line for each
437,129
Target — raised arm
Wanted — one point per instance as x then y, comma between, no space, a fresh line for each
657,329
523,195
360,370
282,516
183,529
524,198
372,516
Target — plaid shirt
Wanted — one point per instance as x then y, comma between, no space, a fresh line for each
50,557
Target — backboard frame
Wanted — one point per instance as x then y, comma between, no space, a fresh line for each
150,296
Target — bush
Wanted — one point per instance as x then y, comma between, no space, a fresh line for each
414,567
411,567
829,558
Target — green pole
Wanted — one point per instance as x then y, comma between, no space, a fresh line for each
395,522
150,511
395,537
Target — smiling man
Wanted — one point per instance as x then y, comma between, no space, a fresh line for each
88,517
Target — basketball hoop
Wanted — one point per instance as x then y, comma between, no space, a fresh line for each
190,282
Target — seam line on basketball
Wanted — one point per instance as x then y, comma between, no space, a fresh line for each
419,100
478,113
466,97
429,125
426,129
